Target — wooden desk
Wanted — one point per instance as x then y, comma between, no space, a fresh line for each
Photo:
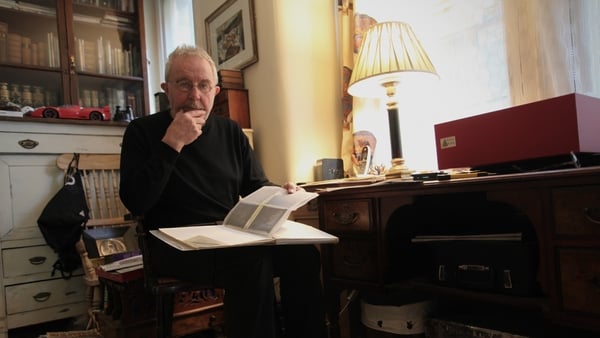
375,252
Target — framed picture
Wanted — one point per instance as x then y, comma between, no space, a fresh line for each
101,242
231,35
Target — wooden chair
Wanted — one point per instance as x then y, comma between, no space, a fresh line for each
166,290
100,176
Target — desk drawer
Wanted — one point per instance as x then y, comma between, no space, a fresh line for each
580,280
32,296
352,215
355,259
28,260
577,210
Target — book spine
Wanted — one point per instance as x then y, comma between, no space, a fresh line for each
3,38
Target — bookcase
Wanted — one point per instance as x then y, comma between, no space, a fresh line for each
86,52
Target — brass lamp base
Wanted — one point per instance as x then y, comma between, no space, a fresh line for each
398,170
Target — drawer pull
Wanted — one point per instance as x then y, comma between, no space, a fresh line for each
37,260
354,260
346,217
42,297
596,281
28,144
313,205
473,267
592,214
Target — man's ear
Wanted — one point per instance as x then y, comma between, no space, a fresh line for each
217,90
164,87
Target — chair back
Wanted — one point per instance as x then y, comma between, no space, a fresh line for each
100,176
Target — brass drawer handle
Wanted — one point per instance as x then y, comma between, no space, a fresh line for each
313,205
28,144
354,260
37,260
596,281
592,214
345,218
42,297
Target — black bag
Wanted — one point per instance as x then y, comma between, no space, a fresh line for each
63,219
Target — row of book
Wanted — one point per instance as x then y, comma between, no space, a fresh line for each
22,49
101,56
231,78
119,5
112,97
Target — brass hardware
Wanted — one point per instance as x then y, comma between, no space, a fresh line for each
313,205
28,144
42,297
37,260
72,65
592,214
346,216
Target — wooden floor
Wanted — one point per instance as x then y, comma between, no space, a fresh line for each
37,330
40,330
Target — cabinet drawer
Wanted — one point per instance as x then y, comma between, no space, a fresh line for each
46,314
27,260
355,259
577,210
309,210
31,296
348,216
580,280
56,143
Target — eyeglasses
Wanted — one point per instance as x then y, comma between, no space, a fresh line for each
186,86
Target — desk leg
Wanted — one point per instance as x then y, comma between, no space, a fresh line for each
332,303
348,314
354,316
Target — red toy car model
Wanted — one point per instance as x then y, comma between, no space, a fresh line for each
72,112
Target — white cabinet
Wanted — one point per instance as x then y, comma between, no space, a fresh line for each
29,177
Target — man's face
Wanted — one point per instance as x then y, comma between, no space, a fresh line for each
190,85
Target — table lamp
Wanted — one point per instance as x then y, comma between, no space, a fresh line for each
390,51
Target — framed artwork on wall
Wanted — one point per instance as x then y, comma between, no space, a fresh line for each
231,35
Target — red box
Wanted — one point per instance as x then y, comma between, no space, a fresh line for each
535,130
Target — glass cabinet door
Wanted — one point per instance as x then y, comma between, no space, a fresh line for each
107,55
85,52
30,55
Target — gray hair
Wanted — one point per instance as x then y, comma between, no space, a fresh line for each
189,50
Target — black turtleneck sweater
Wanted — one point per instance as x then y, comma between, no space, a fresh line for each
200,184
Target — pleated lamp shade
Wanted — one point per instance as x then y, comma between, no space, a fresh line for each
389,52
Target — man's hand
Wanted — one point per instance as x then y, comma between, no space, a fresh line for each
291,187
185,128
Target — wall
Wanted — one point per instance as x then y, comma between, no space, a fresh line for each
294,86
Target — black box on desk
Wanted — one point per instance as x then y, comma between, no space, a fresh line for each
329,169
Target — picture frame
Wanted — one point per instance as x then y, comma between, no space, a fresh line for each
102,242
231,35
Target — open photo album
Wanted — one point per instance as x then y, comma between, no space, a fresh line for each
260,218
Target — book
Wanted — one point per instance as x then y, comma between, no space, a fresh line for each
125,263
260,218
3,38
